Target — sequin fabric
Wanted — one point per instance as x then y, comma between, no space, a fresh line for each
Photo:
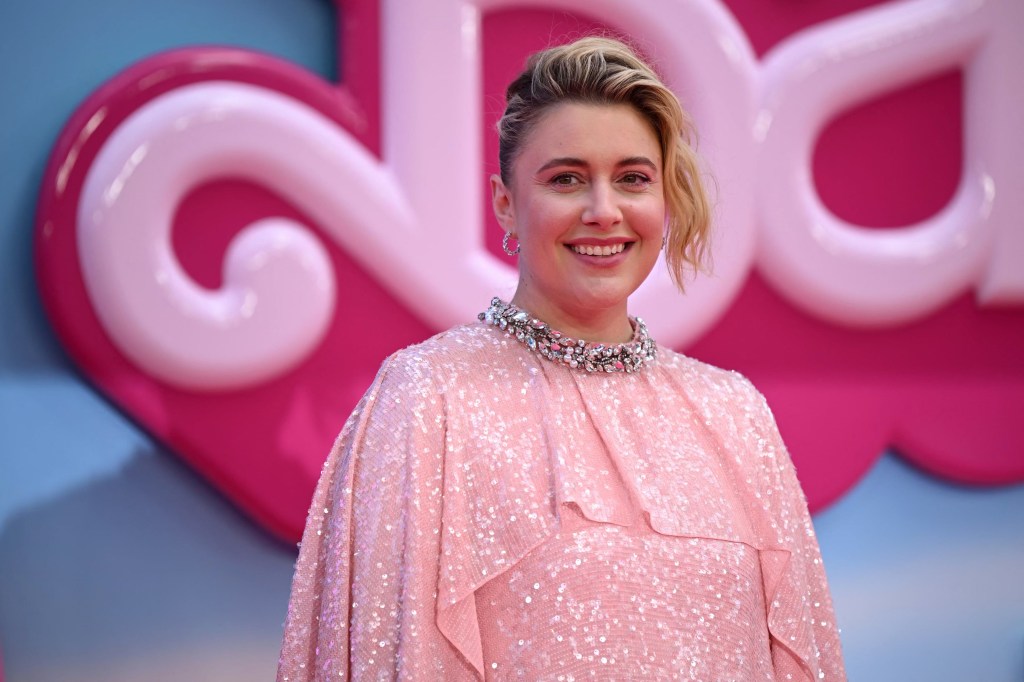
487,514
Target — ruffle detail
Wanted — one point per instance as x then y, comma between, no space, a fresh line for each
783,589
466,454
587,464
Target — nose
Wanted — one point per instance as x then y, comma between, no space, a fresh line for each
602,207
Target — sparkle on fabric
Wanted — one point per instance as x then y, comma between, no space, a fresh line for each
488,514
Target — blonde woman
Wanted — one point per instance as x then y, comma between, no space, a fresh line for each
546,493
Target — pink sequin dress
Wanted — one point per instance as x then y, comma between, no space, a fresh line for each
489,514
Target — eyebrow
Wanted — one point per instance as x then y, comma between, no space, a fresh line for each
580,163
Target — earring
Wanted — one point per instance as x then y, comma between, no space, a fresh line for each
664,241
504,244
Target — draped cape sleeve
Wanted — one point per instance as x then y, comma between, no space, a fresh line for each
801,618
363,602
460,460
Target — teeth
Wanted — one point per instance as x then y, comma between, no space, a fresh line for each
588,250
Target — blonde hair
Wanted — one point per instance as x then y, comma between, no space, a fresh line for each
598,70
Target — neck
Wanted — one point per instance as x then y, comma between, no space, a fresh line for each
603,325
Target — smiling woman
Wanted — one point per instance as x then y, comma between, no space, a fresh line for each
566,499
586,202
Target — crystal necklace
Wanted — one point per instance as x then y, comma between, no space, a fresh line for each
577,353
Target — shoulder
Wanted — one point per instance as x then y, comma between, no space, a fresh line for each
452,354
414,390
409,391
456,362
731,406
726,384
726,397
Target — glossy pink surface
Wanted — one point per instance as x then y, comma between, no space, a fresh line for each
946,390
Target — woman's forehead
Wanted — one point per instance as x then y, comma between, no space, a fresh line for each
589,133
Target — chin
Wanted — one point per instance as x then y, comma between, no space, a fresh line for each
603,296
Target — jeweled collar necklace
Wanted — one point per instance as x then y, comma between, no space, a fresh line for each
576,353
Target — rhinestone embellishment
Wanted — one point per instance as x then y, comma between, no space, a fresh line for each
576,353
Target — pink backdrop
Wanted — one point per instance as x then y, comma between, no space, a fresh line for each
944,390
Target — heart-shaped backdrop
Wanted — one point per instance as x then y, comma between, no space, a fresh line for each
946,390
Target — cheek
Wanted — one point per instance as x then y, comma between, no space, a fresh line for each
545,220
649,218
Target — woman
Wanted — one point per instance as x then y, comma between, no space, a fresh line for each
547,494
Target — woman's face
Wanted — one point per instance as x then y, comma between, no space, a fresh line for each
586,203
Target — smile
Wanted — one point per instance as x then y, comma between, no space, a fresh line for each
589,250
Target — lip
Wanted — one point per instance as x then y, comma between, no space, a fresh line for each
599,241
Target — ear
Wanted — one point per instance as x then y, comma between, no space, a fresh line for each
501,202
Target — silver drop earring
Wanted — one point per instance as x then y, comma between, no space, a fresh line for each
504,244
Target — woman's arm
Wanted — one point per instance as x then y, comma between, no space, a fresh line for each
805,637
363,597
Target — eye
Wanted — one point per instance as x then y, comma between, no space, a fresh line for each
635,180
564,181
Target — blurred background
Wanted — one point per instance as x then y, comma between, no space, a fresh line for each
119,562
